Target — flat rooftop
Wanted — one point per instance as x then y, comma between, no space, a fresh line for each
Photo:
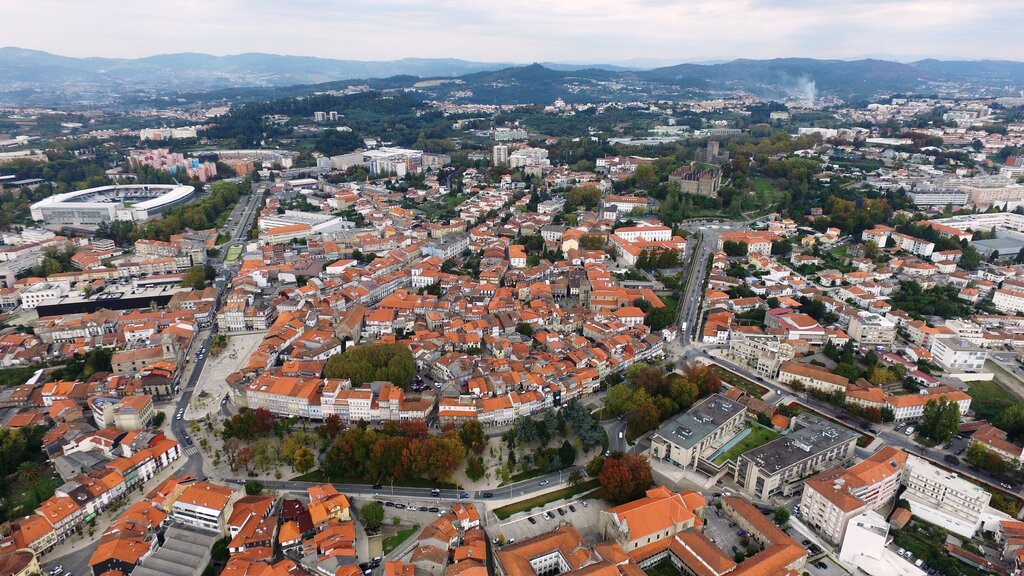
812,436
703,418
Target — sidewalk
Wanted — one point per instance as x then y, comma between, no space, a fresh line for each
76,543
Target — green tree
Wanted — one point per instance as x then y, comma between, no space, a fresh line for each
253,487
371,362
575,477
194,278
660,318
732,248
781,516
158,419
475,468
372,514
525,329
303,460
940,421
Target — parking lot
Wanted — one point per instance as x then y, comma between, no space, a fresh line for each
584,518
717,528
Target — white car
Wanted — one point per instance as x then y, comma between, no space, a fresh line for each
56,569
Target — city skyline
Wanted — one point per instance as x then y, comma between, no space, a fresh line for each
637,32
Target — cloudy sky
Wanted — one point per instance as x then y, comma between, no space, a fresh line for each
521,30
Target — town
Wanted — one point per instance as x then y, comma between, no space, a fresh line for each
365,333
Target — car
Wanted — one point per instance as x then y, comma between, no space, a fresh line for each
901,552
177,416
494,540
909,430
188,440
435,492
532,520
572,508
389,504
545,482
741,532
364,565
712,540
433,509
377,486
511,540
561,512
806,543
376,559
56,569
487,495
546,515
1005,485
716,495
821,565
950,459
425,509
463,495
400,506
583,503
224,401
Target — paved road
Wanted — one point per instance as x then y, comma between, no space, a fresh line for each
77,562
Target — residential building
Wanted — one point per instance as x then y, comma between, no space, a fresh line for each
958,354
203,505
708,424
943,498
831,499
780,466
870,329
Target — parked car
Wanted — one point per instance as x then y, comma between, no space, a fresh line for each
572,508
822,565
532,520
488,494
433,509
583,503
389,504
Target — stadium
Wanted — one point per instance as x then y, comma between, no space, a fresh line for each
92,206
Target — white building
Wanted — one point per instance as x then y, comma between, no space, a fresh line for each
499,154
959,354
203,505
939,198
870,329
1008,300
44,293
943,498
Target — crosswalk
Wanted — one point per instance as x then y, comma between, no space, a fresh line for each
191,450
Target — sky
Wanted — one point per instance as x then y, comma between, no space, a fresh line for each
522,31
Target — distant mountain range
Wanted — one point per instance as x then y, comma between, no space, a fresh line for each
36,77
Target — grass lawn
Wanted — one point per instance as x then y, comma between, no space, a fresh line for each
318,476
989,399
233,254
663,568
25,498
17,376
758,436
519,477
524,505
392,542
734,379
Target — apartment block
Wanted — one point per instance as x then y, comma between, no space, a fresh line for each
944,498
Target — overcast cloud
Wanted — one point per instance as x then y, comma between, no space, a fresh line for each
523,30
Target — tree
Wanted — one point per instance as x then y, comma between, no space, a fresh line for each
732,248
1012,421
526,430
158,420
642,419
940,421
625,477
575,477
372,514
448,266
618,399
781,516
253,487
371,362
472,434
979,455
642,304
475,468
660,318
303,460
194,278
525,329
567,454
